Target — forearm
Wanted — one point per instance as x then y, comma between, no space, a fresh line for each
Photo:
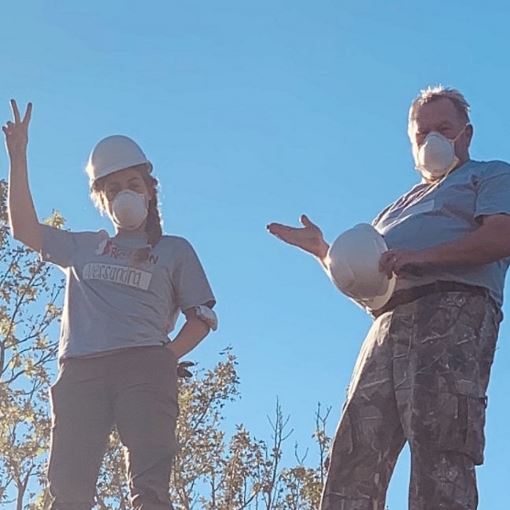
22,216
191,334
484,245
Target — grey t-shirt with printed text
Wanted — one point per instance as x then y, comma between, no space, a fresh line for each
430,215
111,303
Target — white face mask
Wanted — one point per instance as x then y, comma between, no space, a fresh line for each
436,156
129,209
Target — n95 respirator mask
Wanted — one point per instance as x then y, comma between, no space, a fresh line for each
129,209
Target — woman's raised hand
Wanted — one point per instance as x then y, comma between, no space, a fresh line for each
16,131
309,238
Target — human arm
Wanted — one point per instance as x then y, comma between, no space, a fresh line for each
191,334
486,244
309,238
193,296
24,224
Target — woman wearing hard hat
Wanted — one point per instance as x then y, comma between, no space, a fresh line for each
123,295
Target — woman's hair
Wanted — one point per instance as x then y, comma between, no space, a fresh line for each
153,226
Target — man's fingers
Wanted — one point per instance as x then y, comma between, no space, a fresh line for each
283,232
383,261
387,263
271,227
305,221
278,228
15,111
28,114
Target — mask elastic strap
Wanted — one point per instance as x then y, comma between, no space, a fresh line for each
461,131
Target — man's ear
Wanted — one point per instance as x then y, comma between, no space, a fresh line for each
469,133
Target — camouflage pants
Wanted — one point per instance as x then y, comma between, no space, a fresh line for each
421,377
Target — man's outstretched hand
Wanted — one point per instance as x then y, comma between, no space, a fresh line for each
309,237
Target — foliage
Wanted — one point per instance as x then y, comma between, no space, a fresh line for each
27,351
212,471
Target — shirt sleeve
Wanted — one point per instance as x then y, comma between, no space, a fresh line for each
189,279
493,194
60,246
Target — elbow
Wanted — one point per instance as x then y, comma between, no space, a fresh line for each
23,224
506,251
204,316
29,235
15,231
15,227
18,231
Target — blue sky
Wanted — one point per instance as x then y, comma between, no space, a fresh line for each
255,112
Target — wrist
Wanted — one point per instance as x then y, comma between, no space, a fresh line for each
322,251
170,346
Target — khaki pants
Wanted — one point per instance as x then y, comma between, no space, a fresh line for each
135,390
421,377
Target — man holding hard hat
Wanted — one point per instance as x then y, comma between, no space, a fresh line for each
430,269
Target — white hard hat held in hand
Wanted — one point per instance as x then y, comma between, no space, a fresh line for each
115,153
353,263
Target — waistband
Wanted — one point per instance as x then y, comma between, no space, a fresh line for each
404,296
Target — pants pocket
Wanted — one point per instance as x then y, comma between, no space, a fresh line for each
461,424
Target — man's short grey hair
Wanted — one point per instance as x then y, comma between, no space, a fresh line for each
433,93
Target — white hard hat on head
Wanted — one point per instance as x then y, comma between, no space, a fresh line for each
353,263
115,153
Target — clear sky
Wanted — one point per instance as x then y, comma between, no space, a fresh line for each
255,112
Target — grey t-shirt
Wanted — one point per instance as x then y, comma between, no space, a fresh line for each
429,215
112,304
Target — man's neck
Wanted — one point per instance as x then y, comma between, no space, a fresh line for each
462,162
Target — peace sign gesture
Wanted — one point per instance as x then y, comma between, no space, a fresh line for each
16,133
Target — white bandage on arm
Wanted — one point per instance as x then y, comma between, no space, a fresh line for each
205,314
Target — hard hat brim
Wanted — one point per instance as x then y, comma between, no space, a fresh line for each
114,169
379,301
344,255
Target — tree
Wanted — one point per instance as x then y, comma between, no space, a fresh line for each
27,353
211,472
